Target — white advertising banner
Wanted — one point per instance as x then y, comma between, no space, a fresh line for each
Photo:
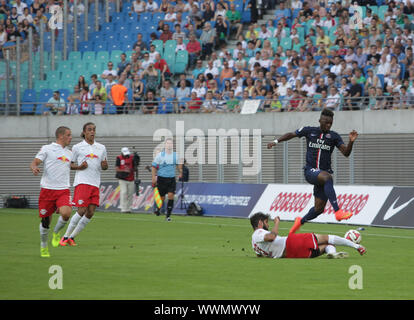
289,201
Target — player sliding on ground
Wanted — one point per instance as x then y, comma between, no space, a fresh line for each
320,142
270,244
54,194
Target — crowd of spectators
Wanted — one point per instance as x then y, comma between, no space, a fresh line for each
310,55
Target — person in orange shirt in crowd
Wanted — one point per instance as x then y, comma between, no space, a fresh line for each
226,72
118,95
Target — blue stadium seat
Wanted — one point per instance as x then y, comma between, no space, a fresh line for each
45,95
167,107
29,97
64,93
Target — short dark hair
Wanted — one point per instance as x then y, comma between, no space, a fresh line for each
60,131
327,113
258,216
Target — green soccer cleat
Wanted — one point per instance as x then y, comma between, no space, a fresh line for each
56,239
44,252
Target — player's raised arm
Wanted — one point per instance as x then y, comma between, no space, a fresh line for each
274,232
346,150
285,137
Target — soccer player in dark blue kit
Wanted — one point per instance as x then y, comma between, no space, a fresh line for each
320,142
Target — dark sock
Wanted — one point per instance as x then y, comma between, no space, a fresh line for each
170,205
330,193
309,216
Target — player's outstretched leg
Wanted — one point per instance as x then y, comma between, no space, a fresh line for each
339,241
331,252
312,214
296,225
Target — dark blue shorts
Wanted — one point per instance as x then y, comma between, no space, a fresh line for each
311,176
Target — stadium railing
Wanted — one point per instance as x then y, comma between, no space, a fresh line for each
34,104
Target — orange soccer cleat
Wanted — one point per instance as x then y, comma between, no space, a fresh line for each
63,242
72,242
342,215
296,225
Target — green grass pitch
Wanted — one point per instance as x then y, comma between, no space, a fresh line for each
140,256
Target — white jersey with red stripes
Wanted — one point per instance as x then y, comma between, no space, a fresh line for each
273,249
93,154
56,166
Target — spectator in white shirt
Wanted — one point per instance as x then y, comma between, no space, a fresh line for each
19,5
25,16
138,6
253,60
151,6
109,71
283,87
180,45
198,89
333,99
170,16
264,32
309,88
336,68
211,69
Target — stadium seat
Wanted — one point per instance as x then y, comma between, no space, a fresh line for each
102,56
88,56
145,18
53,75
45,95
28,100
99,46
170,45
75,55
381,12
116,56
167,107
110,109
286,43
159,46
64,93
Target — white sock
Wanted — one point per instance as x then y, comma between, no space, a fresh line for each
60,224
330,249
335,240
44,233
81,225
72,224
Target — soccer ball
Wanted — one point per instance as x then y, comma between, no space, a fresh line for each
353,236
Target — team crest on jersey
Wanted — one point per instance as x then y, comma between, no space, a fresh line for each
328,136
91,156
63,159
43,212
